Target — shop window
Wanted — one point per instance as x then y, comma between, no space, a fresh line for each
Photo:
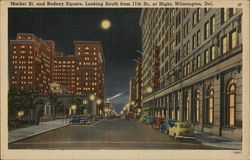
197,106
231,104
210,106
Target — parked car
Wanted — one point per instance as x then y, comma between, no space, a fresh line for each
85,121
142,119
75,119
182,130
150,120
166,124
157,123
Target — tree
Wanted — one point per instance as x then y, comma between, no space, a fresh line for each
78,102
21,100
14,102
56,103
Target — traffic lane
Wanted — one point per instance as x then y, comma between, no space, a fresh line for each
108,134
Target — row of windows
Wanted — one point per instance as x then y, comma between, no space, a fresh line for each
86,48
64,74
209,98
87,53
208,56
65,62
23,67
23,46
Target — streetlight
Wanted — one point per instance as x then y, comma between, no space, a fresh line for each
149,89
98,101
92,97
73,107
20,113
84,102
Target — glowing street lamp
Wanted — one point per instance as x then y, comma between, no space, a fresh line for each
92,97
73,107
20,113
139,110
84,101
132,103
98,101
149,89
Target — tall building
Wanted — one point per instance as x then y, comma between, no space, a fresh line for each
65,72
90,70
192,58
31,62
34,62
138,85
132,93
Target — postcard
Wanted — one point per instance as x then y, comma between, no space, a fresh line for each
124,79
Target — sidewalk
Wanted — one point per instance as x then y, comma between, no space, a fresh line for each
35,130
216,141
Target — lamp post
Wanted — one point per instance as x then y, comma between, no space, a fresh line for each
73,107
150,90
84,102
20,114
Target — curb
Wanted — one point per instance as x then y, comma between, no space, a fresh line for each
35,134
219,146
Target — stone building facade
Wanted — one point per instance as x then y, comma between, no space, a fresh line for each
200,80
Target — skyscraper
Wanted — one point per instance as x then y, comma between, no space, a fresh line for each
192,58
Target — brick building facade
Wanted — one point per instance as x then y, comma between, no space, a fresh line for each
34,62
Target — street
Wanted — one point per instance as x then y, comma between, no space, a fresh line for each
109,134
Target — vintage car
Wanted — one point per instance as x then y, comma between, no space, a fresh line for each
75,119
182,130
157,123
142,119
166,124
150,120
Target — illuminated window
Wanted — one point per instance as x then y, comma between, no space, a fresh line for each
188,47
206,57
212,52
224,45
224,14
198,14
210,106
79,48
231,98
206,32
198,38
233,39
194,41
198,61
94,53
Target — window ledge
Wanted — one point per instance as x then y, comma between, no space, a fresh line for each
229,127
208,125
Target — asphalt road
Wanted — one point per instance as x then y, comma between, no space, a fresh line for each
109,134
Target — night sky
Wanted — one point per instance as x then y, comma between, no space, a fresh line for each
64,26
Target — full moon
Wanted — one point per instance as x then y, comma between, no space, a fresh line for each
105,24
